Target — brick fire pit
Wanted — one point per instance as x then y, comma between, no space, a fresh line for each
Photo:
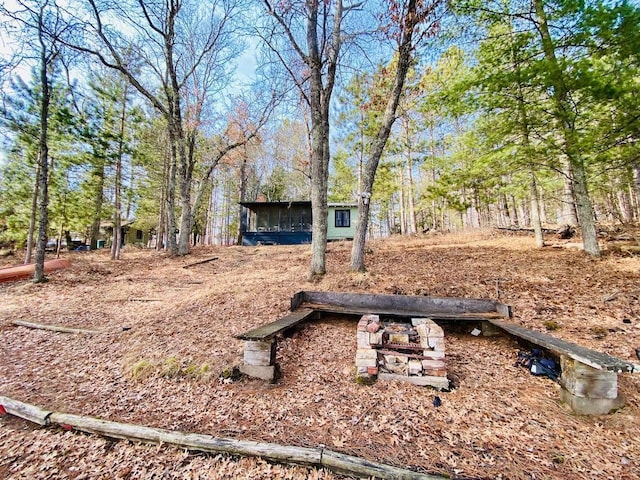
411,351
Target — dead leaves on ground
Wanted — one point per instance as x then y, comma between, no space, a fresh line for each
499,421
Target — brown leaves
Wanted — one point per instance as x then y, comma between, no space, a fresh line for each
499,421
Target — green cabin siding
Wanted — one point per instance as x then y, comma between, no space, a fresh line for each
342,221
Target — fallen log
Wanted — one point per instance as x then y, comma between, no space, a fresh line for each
53,328
10,274
315,457
200,262
24,410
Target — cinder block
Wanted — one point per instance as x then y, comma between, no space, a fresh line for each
434,354
434,364
435,330
257,358
419,321
436,343
260,352
415,367
363,339
366,353
423,330
257,371
375,338
366,362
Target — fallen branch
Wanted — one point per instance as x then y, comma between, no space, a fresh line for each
315,457
200,262
53,328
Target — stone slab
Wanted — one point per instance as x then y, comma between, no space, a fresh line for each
259,371
591,406
366,362
424,381
584,381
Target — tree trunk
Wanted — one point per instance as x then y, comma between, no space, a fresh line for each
43,165
636,187
411,206
241,196
98,175
117,214
162,214
565,118
569,212
319,98
535,210
33,215
404,60
172,246
117,224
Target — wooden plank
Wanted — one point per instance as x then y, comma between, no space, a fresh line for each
423,305
598,360
471,317
271,329
53,328
423,381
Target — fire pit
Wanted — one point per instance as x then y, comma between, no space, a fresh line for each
411,351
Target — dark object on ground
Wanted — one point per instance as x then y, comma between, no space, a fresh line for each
626,320
538,365
638,353
200,262
436,401
565,232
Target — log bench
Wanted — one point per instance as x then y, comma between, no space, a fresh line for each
589,379
260,344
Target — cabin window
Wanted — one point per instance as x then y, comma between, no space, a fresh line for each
139,234
343,218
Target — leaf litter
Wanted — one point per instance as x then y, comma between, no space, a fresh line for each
163,370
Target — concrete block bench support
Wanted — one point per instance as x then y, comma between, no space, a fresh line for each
260,344
589,379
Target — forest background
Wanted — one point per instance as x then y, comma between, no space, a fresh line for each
512,113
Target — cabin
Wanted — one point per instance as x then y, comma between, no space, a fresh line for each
132,234
290,223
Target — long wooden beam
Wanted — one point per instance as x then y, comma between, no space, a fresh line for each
452,307
315,457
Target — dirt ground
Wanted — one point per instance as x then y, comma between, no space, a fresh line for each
498,422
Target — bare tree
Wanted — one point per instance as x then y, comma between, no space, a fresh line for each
183,56
307,38
410,22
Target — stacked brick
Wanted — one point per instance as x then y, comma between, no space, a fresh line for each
412,352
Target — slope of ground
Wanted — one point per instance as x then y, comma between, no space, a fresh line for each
162,371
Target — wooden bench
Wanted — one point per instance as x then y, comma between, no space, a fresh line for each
260,344
589,379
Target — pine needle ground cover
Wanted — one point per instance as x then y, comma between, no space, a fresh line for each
166,334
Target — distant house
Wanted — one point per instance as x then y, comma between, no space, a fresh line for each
289,223
132,234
